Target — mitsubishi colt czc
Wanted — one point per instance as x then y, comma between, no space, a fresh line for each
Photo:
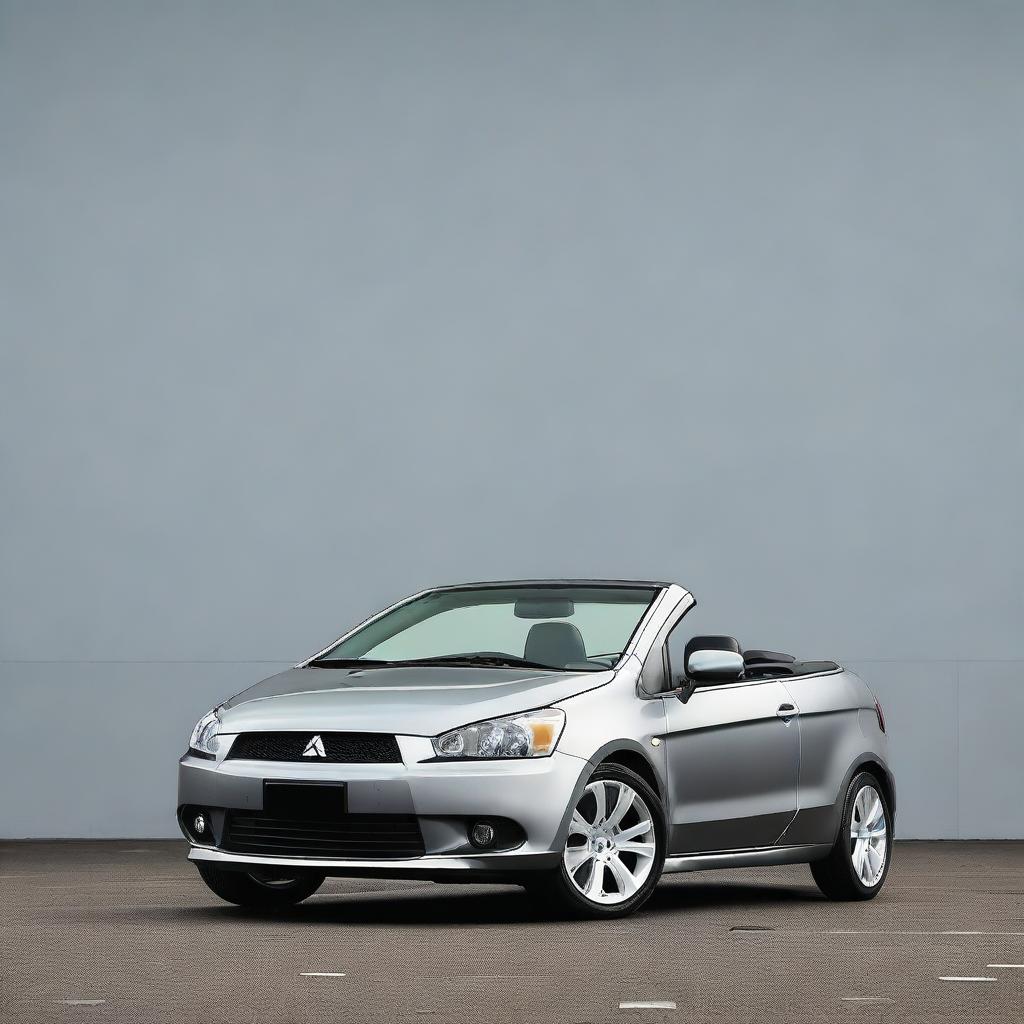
568,736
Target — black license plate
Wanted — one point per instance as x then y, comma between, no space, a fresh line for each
316,801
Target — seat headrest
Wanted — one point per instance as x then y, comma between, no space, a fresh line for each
554,643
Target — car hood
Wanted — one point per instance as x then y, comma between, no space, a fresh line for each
413,701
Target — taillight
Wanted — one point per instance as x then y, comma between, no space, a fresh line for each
881,717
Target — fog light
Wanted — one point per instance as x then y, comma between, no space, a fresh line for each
481,834
199,824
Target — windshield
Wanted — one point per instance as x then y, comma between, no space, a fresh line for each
580,628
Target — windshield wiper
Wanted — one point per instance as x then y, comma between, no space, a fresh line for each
456,660
497,660
350,663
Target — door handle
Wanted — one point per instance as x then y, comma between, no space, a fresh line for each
787,711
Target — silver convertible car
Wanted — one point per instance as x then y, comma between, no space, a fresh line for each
569,736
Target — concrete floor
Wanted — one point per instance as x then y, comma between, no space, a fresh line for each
130,926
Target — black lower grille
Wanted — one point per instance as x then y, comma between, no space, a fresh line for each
349,836
337,747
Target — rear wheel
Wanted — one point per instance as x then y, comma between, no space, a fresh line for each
260,890
858,863
615,849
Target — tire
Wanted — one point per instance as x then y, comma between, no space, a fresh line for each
259,893
858,863
593,844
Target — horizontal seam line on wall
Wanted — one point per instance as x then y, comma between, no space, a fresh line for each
147,661
930,661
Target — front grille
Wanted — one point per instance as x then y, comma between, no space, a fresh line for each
339,747
347,837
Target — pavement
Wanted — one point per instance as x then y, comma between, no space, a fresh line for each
126,931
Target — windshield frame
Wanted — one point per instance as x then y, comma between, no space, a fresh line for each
658,591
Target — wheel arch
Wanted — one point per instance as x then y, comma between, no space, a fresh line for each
637,763
625,753
867,763
884,776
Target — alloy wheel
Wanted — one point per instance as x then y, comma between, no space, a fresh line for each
868,836
611,846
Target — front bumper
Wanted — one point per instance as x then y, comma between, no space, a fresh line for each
536,794
430,867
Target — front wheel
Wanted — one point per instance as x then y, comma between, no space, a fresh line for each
859,861
615,849
259,890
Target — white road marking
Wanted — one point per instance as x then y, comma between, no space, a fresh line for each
966,979
845,932
866,999
647,1006
321,974
80,1002
990,966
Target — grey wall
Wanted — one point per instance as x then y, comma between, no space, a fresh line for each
305,306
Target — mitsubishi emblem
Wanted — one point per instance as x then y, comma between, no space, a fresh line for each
315,748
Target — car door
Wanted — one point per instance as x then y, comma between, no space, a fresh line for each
733,761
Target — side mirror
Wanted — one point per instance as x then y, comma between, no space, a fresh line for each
714,666
710,660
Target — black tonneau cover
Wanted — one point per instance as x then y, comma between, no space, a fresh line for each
766,664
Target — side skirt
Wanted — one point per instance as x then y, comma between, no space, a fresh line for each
746,858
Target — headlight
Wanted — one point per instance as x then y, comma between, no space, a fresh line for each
204,736
533,734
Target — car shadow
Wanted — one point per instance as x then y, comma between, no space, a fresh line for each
696,895
435,905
